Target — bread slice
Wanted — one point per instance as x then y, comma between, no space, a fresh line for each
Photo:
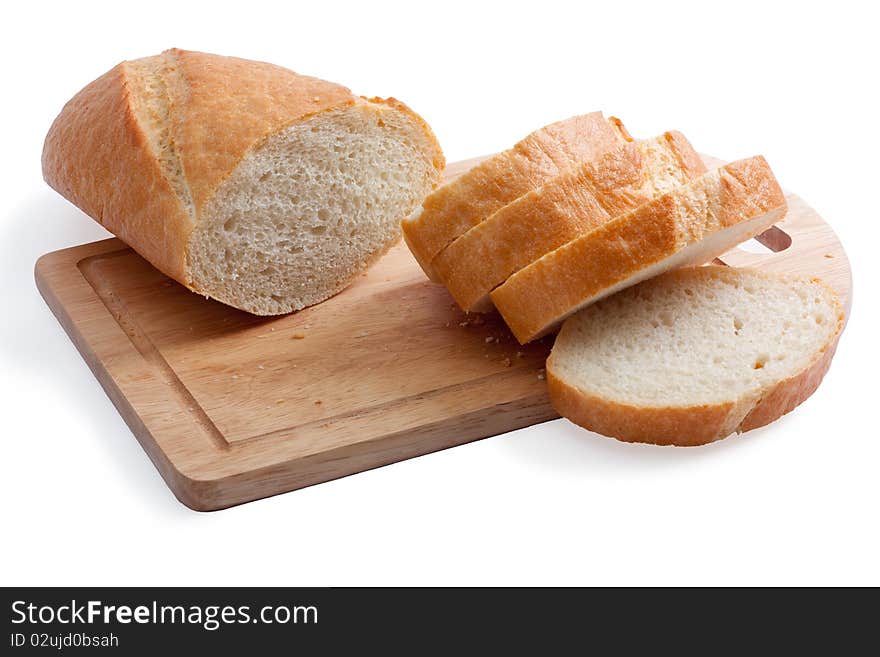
689,225
694,355
244,181
567,206
470,198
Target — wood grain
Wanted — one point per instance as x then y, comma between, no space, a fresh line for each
231,407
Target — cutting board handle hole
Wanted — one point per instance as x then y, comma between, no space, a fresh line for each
772,240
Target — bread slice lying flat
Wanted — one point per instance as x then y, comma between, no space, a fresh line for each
688,225
467,200
567,206
694,355
244,181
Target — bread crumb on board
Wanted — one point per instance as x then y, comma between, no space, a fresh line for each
299,336
542,374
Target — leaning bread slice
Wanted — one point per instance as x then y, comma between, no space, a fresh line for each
694,355
567,206
688,225
470,198
247,182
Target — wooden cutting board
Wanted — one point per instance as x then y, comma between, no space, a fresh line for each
232,408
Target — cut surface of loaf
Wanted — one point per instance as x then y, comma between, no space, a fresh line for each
346,177
692,224
694,355
247,182
467,200
574,202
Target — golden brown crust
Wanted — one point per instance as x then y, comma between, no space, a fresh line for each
469,199
97,156
687,426
547,290
569,205
517,234
534,300
618,125
99,153
748,188
225,106
684,427
689,160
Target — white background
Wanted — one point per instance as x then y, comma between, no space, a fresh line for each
794,503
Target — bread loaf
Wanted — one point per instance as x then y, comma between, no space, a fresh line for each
475,195
694,355
689,225
244,181
572,203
